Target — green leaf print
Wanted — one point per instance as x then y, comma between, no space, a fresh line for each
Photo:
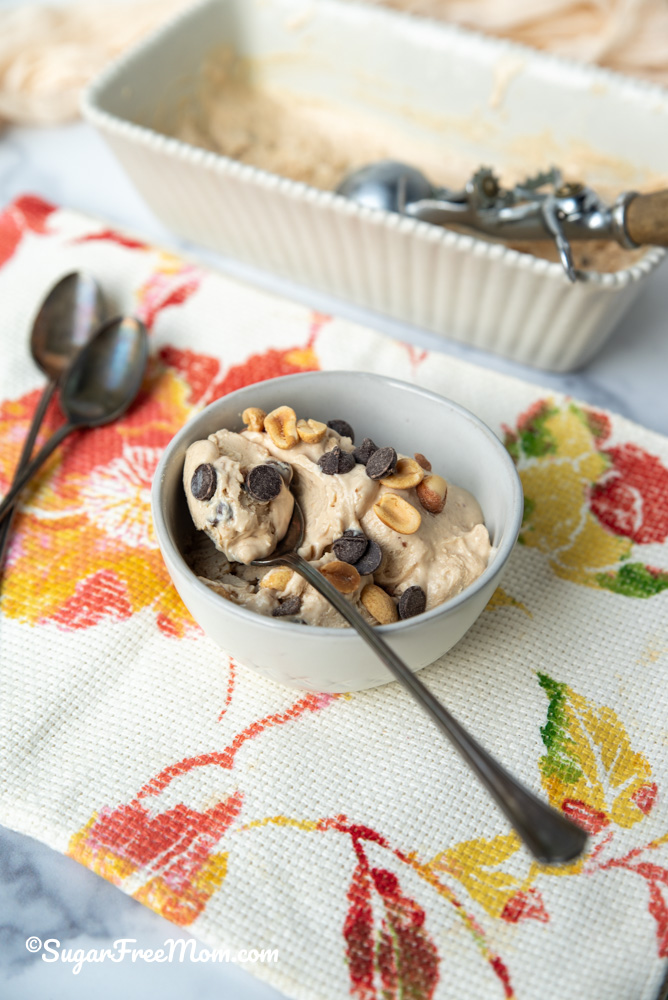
634,580
560,760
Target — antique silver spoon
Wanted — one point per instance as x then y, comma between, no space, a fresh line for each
65,322
97,388
550,836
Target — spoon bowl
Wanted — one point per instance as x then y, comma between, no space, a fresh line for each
105,378
101,383
388,185
65,322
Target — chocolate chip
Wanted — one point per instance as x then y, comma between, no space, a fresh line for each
329,462
364,451
203,482
350,548
343,428
412,602
336,462
382,463
346,462
264,483
371,559
290,606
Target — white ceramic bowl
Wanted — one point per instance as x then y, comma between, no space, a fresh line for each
411,419
485,100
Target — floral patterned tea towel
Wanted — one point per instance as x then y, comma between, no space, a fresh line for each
340,830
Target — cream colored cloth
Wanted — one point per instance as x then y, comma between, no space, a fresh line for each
630,36
342,831
47,54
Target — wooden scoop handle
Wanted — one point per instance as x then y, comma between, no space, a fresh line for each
647,219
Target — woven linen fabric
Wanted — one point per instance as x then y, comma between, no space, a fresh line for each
342,831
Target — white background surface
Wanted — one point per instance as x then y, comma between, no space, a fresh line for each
45,894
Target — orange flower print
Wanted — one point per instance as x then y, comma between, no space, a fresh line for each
172,852
84,550
169,859
171,284
27,214
106,492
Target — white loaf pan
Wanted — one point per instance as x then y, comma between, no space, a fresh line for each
488,101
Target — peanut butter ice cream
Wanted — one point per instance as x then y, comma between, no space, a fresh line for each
236,496
318,142
386,530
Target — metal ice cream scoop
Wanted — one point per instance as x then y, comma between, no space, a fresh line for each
540,207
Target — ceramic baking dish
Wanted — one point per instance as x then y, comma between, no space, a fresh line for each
483,100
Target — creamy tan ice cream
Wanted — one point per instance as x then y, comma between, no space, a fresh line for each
395,538
307,138
240,525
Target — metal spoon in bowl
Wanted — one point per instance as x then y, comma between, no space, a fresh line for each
551,837
97,388
65,322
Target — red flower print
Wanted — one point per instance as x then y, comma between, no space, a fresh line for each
631,499
591,820
172,284
197,370
658,909
101,595
645,797
399,952
174,850
112,236
525,906
269,364
25,214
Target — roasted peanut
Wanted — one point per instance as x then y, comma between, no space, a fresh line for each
341,575
432,493
276,579
397,514
379,604
281,426
408,473
253,417
421,460
311,431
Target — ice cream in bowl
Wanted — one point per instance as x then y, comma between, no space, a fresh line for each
410,504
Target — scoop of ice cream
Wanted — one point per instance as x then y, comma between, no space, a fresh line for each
331,504
418,563
237,495
447,553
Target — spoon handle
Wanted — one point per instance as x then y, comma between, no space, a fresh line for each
550,836
22,477
26,452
